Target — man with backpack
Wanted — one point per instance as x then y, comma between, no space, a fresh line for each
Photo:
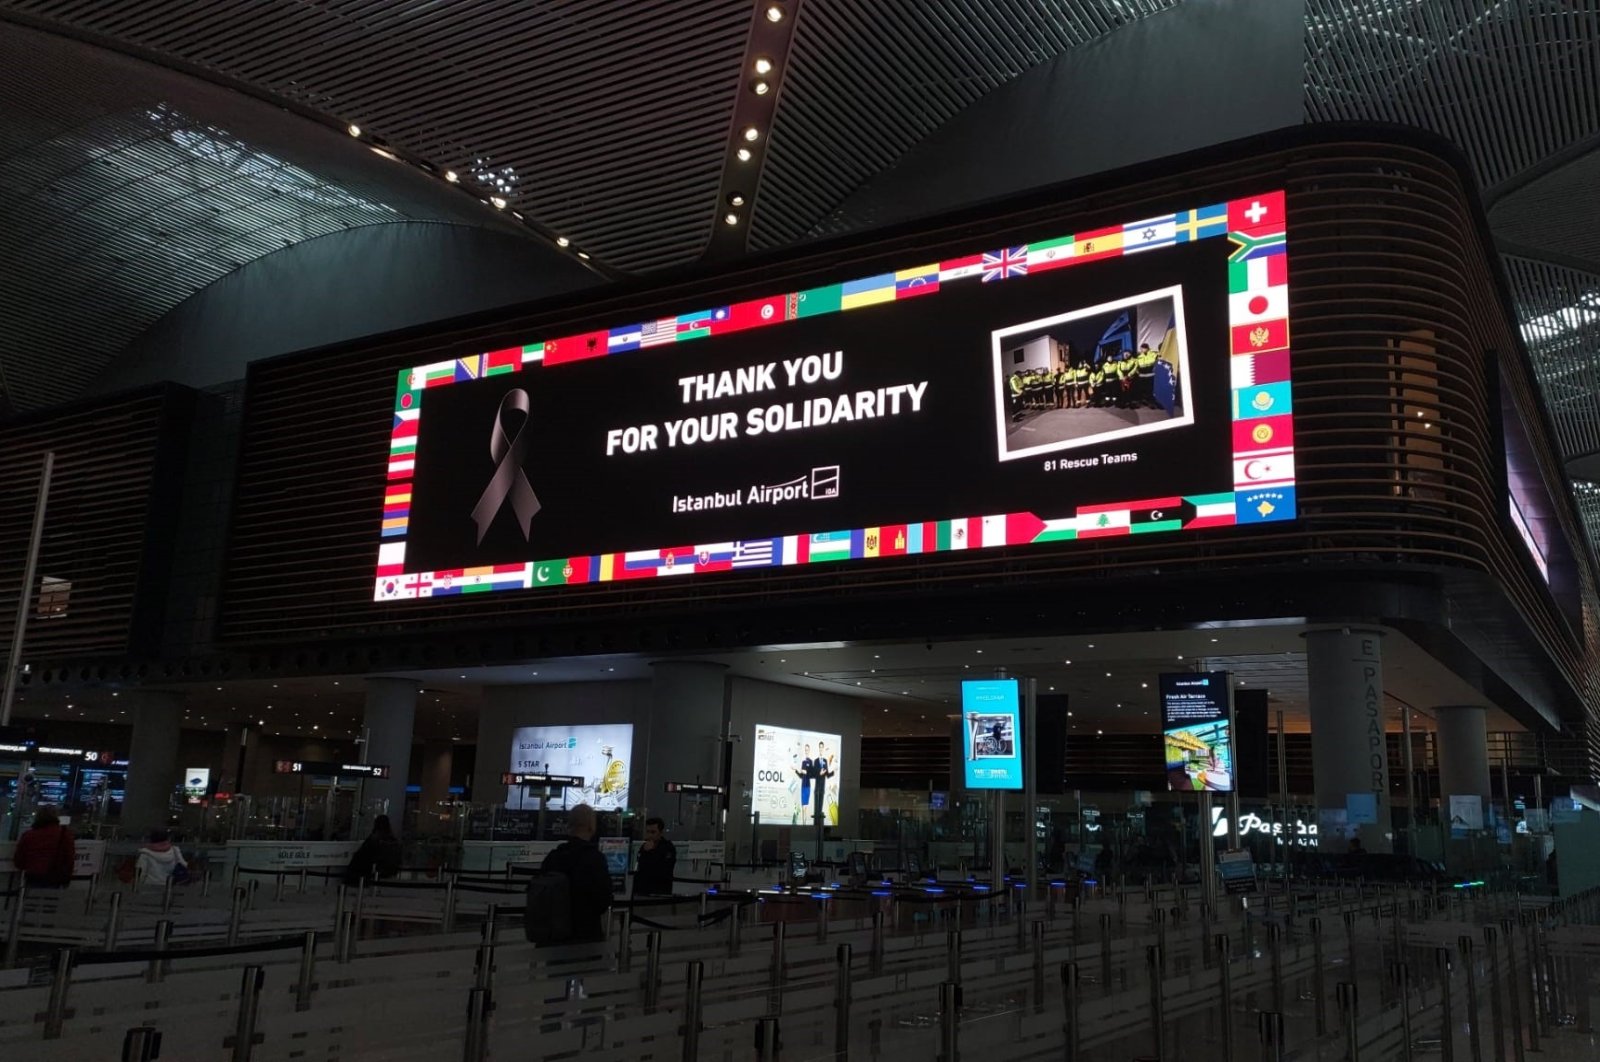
569,897
47,852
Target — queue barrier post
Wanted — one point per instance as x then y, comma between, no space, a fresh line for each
56,1012
308,971
694,981
245,1037
157,970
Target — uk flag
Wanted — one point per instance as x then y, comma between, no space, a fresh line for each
1006,262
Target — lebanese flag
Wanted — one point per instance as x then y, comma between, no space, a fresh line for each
1263,433
1260,337
751,314
576,348
1257,215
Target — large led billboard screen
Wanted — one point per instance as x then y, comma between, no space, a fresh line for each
991,719
1126,380
794,772
600,754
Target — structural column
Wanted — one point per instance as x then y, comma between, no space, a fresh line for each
1463,754
688,722
438,759
153,771
391,711
1349,752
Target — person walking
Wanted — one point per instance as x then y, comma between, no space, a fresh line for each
378,856
159,860
658,860
46,853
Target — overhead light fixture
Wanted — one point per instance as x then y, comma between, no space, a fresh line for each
763,65
760,88
499,204
450,175
736,199
583,255
562,241
774,13
353,129
752,134
731,218
743,154
386,154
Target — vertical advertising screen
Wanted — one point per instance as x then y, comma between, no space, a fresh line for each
794,771
992,728
599,755
196,780
1124,379
1197,724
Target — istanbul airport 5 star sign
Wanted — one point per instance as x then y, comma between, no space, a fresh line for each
1130,380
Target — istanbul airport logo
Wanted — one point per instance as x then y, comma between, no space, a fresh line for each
509,481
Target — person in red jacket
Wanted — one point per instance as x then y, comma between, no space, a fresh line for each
45,854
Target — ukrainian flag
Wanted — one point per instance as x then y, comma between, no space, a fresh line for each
858,293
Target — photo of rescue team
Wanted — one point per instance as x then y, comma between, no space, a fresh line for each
1092,376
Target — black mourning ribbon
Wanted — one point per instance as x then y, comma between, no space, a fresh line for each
509,478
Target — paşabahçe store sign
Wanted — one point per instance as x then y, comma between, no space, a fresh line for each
1303,833
1128,380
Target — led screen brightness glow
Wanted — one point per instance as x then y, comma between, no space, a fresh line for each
794,772
1127,379
1197,727
992,734
598,754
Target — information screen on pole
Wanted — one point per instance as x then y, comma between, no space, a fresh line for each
992,729
792,768
1128,379
1197,724
599,754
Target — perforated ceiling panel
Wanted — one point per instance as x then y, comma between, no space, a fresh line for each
867,79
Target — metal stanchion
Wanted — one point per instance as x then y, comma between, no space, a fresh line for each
113,920
250,894
88,898
767,1039
56,1011
841,1002
235,916
483,966
302,887
244,1030
490,933
1348,1018
1105,953
952,955
694,979
14,927
1224,948
345,938
205,885
308,971
1038,967
1538,1017
949,1022
475,1047
624,940
877,942
1269,1026
158,967
1474,1033
1275,954
1401,976
652,970
141,1044
166,896
1161,936
277,889
1514,996
1158,1024
1069,1008
1447,1025
733,932
1319,987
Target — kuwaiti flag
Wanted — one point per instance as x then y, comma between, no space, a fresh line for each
1211,510
1149,234
1255,292
1102,521
391,558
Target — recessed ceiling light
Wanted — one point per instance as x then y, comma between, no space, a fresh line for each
743,154
1144,685
761,88
764,66
774,13
450,175
1180,656
583,255
499,204
736,200
731,218
386,154
353,129
752,134
562,241
1108,674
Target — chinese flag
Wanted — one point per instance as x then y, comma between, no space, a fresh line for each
576,348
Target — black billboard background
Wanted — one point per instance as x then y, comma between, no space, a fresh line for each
938,464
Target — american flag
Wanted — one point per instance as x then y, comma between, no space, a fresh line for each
753,554
1006,262
655,333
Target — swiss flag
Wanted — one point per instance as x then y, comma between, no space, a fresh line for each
1257,215
1260,337
751,314
576,348
1263,433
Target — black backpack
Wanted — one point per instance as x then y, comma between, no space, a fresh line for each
548,916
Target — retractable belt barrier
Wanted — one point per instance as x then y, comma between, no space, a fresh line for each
98,958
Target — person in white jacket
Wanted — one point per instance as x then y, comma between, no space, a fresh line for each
159,859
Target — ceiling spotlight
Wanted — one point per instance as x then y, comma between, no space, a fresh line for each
353,129
562,241
386,154
743,154
731,218
583,255
499,204
736,199
774,13
764,66
752,134
450,175
760,88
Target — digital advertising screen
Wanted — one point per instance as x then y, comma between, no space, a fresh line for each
793,770
1197,728
1131,379
599,754
992,734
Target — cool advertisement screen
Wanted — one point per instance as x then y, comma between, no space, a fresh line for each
1132,379
1197,723
993,734
793,768
600,755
